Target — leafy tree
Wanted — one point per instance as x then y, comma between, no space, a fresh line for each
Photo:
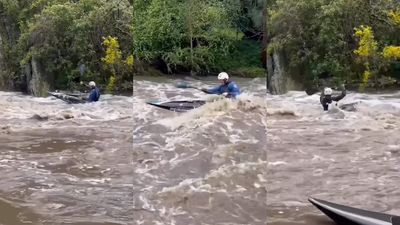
188,35
317,36
64,36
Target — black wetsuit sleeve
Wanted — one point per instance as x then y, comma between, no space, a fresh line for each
339,97
323,101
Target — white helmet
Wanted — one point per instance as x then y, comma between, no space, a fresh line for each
223,76
327,91
92,84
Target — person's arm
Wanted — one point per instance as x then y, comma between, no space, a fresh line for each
215,90
82,83
85,86
341,96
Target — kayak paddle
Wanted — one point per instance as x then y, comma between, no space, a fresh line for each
186,85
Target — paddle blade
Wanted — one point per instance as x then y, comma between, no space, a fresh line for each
183,85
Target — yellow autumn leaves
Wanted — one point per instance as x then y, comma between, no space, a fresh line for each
113,52
367,50
394,17
367,45
391,52
113,59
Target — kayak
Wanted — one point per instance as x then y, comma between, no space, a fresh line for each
178,106
345,215
70,98
351,107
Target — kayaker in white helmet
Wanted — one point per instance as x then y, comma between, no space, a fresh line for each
327,98
227,88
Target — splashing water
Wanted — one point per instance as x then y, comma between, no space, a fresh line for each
65,163
205,165
341,156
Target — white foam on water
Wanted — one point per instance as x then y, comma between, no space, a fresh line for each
277,163
352,156
18,109
200,153
307,107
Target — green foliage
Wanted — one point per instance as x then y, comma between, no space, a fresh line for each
188,35
367,53
62,35
250,72
111,84
317,36
244,54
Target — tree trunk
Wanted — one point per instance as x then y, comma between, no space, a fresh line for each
264,41
277,75
264,34
37,82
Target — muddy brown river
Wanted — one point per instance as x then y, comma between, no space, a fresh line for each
351,158
206,166
65,164
255,160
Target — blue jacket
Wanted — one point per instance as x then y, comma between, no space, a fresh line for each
231,88
94,95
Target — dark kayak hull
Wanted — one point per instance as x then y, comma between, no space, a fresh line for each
178,106
351,107
73,99
345,215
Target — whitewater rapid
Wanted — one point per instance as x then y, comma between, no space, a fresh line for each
204,166
346,157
